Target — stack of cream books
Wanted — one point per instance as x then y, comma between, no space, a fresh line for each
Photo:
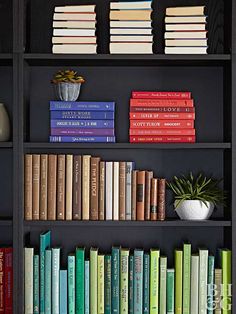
186,30
74,29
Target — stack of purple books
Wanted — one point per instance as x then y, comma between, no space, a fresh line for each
82,122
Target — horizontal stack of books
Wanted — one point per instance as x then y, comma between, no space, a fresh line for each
6,280
162,117
59,187
74,29
186,30
130,27
126,281
82,122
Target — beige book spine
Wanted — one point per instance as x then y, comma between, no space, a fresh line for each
28,187
122,190
86,187
102,191
69,182
61,187
36,185
116,190
43,207
52,186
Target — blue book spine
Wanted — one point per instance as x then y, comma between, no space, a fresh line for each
82,139
82,132
115,280
63,291
210,296
77,115
93,124
82,105
48,282
86,287
55,280
36,284
71,284
146,283
138,281
129,169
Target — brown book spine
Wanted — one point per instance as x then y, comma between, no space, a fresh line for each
77,176
43,187
122,190
140,195
52,186
102,190
154,193
94,188
36,186
61,172
86,187
28,187
134,195
69,182
148,177
161,213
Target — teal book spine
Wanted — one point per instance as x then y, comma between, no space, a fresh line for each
115,280
170,291
131,284
138,281
71,284
146,283
107,284
45,240
63,291
36,284
186,278
79,279
55,280
48,282
210,296
86,286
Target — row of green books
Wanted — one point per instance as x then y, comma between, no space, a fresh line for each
126,282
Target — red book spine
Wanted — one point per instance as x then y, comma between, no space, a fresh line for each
153,124
162,109
153,115
161,103
162,139
160,95
8,280
2,288
145,132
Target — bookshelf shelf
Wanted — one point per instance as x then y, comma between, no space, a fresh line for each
6,145
6,222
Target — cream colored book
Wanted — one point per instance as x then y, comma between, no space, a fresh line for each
185,27
74,24
185,35
74,16
116,190
69,178
29,268
186,50
85,186
183,11
73,32
133,15
101,286
130,31
127,38
185,19
131,24
127,5
186,42
109,190
76,49
75,8
74,40
133,48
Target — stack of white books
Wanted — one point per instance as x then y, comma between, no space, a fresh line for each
131,27
74,29
186,30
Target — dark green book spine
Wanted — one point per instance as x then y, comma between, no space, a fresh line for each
146,283
131,284
210,297
79,280
115,280
107,284
36,284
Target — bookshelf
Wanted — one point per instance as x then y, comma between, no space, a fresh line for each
26,67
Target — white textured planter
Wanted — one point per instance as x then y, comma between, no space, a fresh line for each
68,91
195,210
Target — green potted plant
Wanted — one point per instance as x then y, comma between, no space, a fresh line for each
196,196
67,85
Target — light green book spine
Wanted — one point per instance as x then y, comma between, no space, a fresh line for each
108,284
170,291
194,284
93,280
186,278
71,284
146,283
226,281
100,276
178,281
210,286
29,270
79,280
124,281
163,269
48,282
55,280
138,281
36,284
202,285
154,280
131,284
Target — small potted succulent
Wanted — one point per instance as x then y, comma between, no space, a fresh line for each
67,85
196,197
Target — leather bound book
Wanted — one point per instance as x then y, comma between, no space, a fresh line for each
154,193
77,188
101,191
36,185
52,186
28,187
134,195
69,182
85,186
122,190
161,213
43,202
140,194
61,173
94,188
148,177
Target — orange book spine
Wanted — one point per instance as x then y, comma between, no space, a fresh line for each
161,213
43,206
140,195
36,186
28,187
61,187
52,186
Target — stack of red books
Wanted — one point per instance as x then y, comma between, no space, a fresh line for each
162,117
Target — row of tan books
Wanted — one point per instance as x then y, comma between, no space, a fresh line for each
66,187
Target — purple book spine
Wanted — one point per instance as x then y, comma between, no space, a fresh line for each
82,132
82,139
93,124
77,115
82,105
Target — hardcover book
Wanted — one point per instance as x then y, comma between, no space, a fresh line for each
138,281
82,105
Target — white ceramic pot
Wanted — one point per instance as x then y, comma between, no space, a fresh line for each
68,91
195,210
